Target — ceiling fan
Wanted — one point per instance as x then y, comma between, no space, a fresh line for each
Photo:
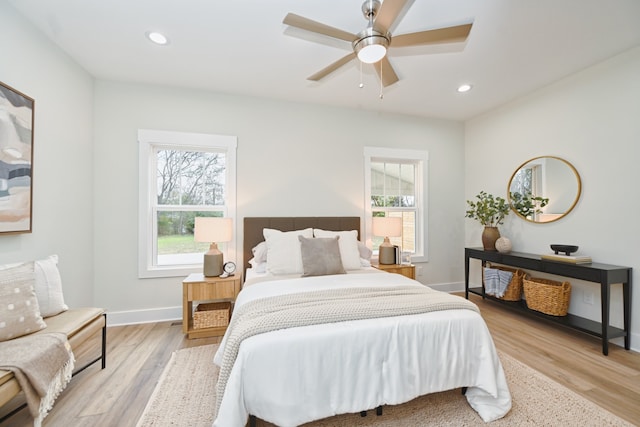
371,44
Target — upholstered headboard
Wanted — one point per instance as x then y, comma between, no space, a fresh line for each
253,228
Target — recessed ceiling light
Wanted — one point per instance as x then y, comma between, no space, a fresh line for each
157,38
464,88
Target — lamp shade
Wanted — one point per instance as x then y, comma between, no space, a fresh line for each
212,229
387,226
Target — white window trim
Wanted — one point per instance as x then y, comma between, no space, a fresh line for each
422,252
147,139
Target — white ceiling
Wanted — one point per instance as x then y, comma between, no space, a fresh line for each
242,47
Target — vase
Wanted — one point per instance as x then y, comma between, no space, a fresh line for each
489,237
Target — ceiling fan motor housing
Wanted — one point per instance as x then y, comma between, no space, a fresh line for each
369,37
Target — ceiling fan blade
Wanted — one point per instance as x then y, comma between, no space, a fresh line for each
385,72
331,68
389,12
454,34
310,25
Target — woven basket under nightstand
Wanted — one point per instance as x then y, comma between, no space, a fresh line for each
210,315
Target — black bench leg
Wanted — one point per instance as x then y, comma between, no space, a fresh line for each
464,390
252,421
104,342
379,410
363,413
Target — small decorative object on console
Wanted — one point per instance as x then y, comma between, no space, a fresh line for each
503,245
572,259
567,249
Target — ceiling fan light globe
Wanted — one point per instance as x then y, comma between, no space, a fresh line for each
371,45
372,53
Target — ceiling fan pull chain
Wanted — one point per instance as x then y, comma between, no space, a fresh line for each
381,85
361,84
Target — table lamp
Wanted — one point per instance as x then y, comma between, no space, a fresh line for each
212,230
387,227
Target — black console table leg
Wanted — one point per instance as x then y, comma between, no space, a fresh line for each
626,296
604,297
466,277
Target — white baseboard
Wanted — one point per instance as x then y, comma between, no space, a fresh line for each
151,315
448,287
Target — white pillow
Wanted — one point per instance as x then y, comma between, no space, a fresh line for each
258,267
49,287
283,250
260,252
348,244
365,252
365,262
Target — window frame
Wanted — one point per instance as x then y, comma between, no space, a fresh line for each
148,141
396,155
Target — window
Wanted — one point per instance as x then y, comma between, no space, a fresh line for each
395,185
182,175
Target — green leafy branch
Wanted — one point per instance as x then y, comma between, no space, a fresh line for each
487,209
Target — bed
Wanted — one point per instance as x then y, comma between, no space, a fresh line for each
313,370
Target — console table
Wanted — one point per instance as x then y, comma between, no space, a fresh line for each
604,274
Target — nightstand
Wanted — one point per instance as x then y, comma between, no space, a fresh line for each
197,287
408,270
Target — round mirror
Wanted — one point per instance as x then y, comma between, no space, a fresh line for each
544,189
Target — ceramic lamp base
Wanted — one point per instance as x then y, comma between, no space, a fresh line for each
386,255
213,262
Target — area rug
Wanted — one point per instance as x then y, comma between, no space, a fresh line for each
185,396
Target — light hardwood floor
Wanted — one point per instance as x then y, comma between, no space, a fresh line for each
137,355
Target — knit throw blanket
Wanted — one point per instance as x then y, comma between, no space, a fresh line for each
327,306
42,364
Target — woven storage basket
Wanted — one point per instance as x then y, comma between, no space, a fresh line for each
514,288
210,315
547,296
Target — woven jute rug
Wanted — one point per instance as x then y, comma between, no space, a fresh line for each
185,396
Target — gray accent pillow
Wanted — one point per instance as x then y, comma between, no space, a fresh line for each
19,309
321,256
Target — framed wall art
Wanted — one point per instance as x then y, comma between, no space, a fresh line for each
16,160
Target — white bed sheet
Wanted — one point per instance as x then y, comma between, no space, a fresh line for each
289,377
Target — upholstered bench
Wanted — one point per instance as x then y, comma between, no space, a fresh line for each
31,303
79,324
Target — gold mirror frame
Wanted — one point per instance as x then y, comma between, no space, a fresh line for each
544,217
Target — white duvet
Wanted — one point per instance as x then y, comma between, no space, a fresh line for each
292,376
